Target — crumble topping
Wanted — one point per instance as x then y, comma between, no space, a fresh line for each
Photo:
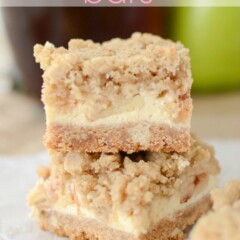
229,196
91,74
43,172
127,182
223,223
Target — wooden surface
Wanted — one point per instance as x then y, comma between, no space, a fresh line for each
217,116
22,124
22,121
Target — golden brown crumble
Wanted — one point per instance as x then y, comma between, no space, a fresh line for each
223,223
43,172
105,74
127,182
229,196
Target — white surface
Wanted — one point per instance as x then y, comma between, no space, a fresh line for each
17,175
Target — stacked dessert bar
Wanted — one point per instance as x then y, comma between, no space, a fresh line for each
123,162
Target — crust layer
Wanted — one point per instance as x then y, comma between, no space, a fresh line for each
86,229
125,137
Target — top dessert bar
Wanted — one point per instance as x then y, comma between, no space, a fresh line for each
122,95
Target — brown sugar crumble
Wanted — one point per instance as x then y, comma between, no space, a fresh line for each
223,223
102,73
127,181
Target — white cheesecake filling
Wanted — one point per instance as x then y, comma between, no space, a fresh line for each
159,209
140,108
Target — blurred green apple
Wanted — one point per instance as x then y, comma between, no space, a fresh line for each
213,36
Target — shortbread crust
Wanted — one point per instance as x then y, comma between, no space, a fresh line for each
127,193
111,138
143,81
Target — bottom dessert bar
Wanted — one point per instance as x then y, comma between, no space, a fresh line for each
125,196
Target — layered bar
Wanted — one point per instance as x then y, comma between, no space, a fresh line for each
223,223
122,95
145,195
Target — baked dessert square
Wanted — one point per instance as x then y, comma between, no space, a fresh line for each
122,95
223,223
145,195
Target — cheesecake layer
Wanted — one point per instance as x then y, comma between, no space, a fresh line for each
144,79
75,228
130,193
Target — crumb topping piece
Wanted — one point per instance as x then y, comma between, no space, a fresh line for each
107,74
223,223
229,196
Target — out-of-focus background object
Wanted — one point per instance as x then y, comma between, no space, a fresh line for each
213,36
5,60
27,26
22,121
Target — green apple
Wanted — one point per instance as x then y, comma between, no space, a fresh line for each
213,36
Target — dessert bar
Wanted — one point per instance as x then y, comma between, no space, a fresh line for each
122,95
145,195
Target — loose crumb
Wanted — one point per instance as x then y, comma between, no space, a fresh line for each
223,223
